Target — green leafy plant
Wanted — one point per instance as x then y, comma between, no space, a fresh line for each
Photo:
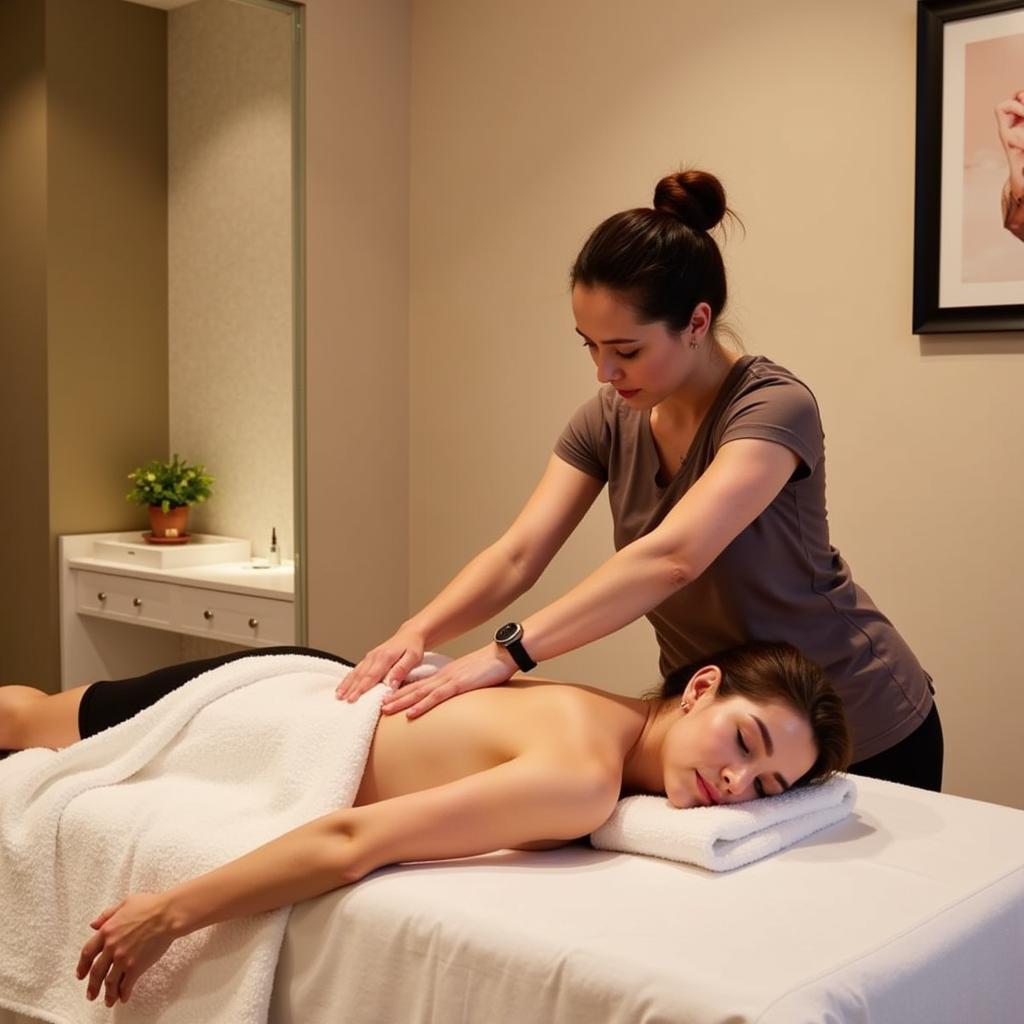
169,484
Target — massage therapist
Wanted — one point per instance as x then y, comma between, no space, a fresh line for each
715,468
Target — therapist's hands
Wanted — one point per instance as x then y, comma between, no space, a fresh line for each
488,666
389,662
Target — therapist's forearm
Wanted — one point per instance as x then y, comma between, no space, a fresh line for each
491,582
631,583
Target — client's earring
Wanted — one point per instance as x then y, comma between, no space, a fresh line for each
685,705
693,343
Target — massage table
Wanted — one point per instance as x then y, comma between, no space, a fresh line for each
911,909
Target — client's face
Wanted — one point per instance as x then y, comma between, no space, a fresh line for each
730,749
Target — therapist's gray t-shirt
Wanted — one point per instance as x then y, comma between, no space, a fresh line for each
780,579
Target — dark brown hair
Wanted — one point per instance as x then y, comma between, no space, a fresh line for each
777,673
662,260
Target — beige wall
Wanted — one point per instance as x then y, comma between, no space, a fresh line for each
230,262
528,124
357,380
106,255
84,170
24,586
531,122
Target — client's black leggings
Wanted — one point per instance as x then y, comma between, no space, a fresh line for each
107,703
915,761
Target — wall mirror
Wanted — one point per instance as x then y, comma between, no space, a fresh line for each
235,270
235,265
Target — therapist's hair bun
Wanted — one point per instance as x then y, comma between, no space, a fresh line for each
694,197
663,261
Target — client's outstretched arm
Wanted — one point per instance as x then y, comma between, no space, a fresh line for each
532,797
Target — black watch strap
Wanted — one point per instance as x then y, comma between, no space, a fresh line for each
510,636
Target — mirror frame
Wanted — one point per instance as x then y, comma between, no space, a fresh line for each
296,12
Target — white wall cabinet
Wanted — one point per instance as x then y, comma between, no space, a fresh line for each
123,620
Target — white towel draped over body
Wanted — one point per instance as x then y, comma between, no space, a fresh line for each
235,758
724,837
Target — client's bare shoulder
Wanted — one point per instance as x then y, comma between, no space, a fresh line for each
567,718
585,738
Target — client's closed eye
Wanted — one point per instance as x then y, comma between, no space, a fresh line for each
758,784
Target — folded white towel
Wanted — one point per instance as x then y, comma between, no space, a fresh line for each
232,759
728,836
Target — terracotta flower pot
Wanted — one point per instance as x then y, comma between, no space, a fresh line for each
168,524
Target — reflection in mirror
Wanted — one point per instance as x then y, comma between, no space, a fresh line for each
232,279
229,273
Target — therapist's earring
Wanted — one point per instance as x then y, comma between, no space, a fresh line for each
685,705
694,343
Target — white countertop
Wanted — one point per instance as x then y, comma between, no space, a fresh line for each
276,582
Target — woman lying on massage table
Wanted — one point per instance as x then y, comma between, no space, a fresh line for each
529,765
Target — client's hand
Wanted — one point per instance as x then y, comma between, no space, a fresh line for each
485,667
389,662
130,937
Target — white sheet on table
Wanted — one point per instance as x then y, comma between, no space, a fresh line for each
910,910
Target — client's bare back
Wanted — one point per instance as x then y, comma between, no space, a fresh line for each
493,726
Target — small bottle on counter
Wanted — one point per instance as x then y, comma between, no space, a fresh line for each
275,551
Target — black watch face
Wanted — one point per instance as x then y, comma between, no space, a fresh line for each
509,632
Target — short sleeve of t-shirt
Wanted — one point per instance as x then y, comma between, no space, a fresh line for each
586,441
774,407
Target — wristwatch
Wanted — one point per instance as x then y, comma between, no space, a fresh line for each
510,636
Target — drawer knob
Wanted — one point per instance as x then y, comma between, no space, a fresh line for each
254,623
102,595
207,615
137,602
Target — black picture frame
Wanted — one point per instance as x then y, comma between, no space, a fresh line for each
928,316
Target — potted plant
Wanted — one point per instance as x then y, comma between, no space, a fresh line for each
167,489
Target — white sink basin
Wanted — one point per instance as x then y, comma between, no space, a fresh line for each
202,549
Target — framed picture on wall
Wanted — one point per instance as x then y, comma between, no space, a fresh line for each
969,196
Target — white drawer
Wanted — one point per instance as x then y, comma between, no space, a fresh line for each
257,621
123,598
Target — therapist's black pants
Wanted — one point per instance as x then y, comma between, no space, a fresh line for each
915,761
105,704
